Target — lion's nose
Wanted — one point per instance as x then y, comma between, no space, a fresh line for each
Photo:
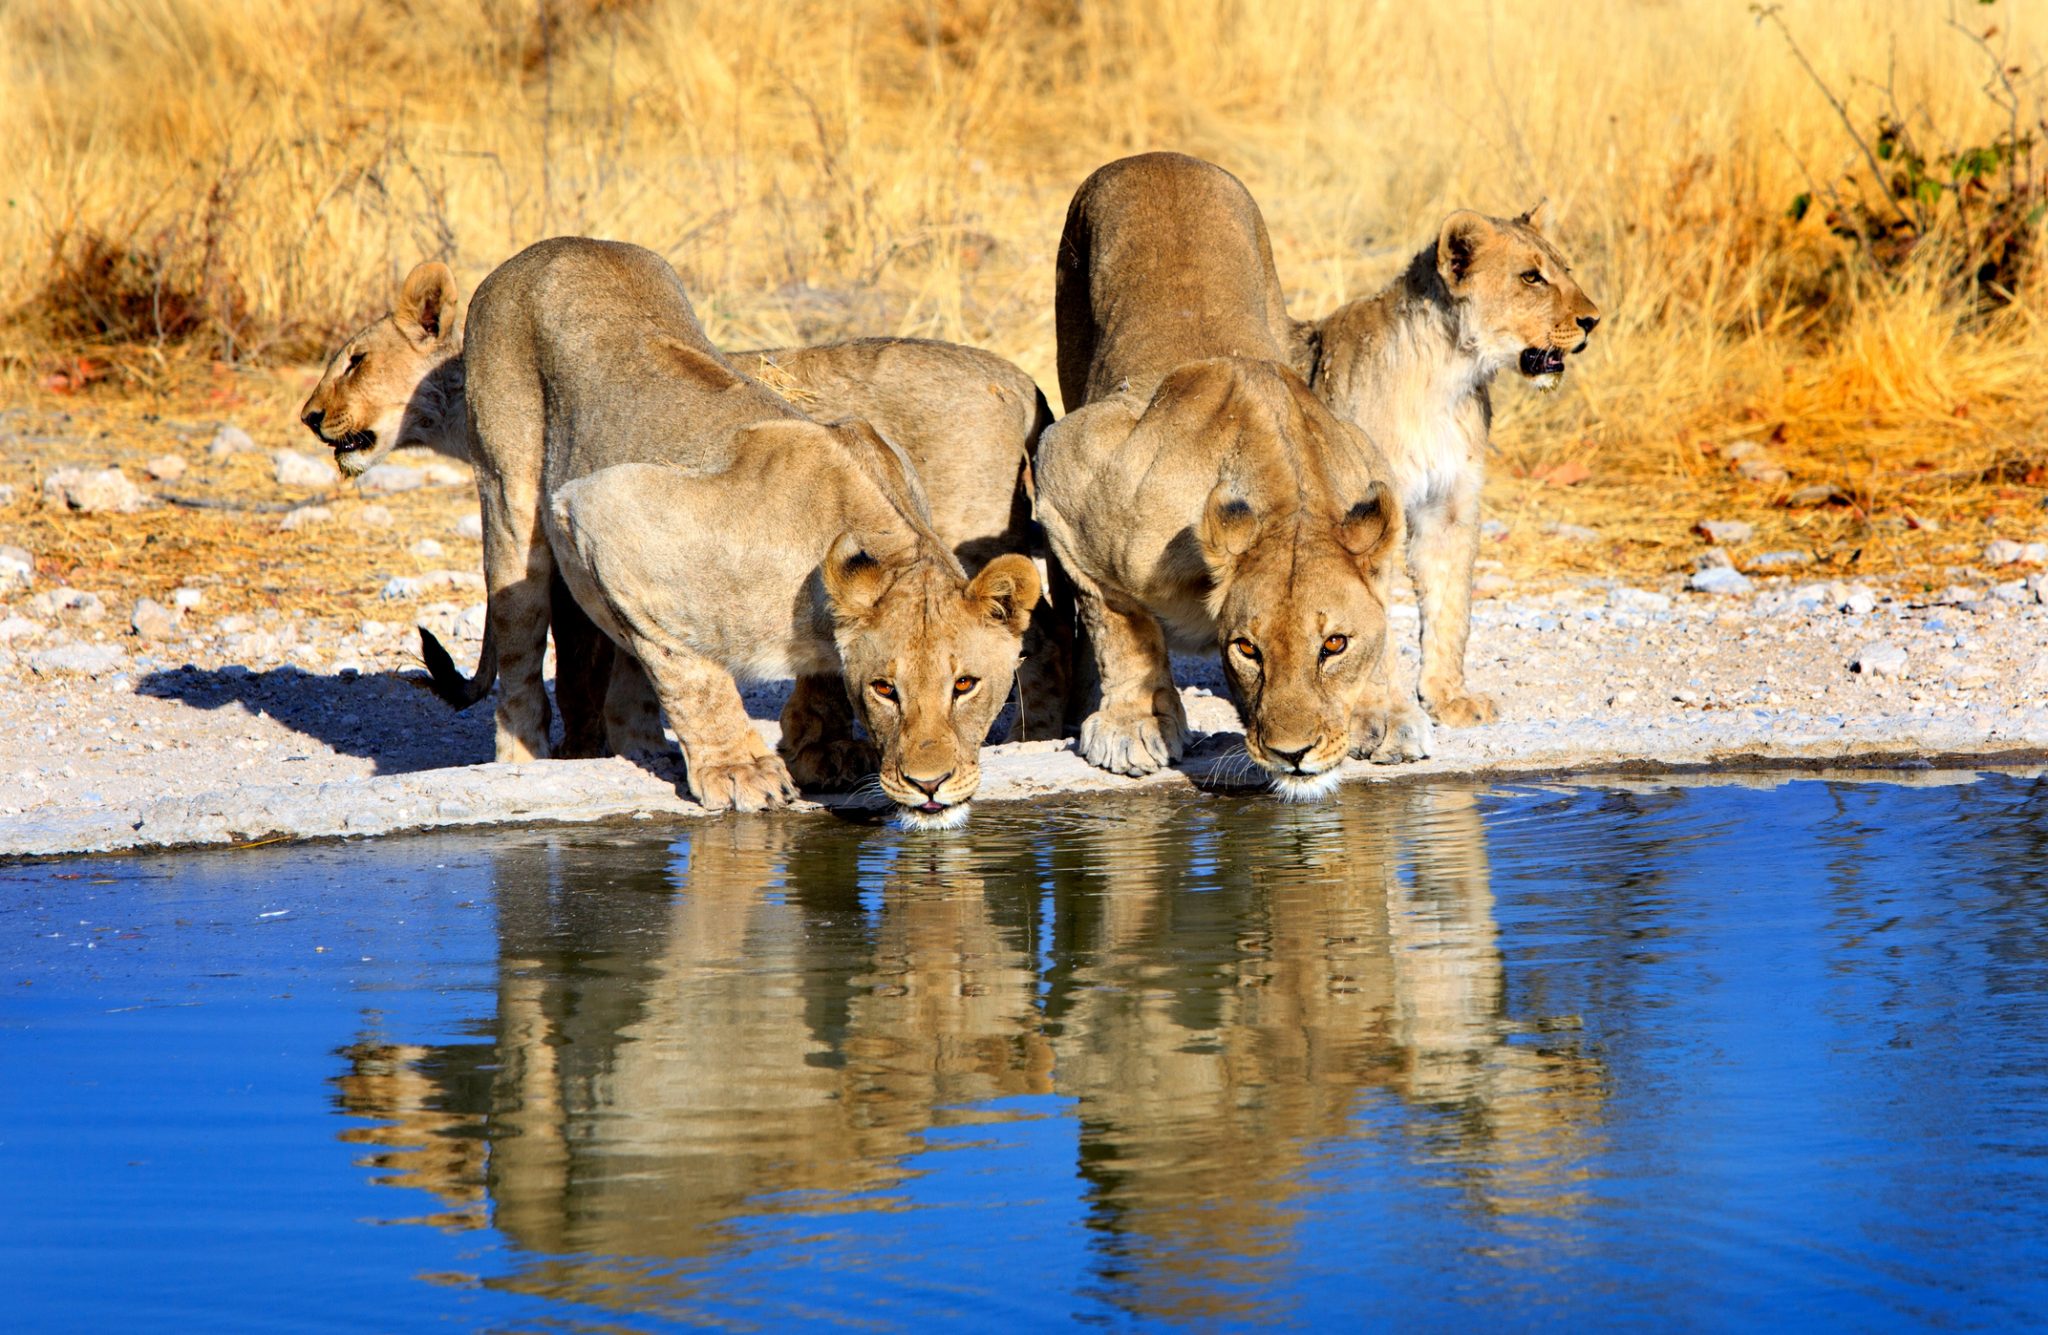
1586,322
1293,758
312,419
929,787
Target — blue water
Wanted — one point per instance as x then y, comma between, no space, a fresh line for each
1771,1053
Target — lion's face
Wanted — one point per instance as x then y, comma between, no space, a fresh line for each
928,659
380,390
1516,300
1301,616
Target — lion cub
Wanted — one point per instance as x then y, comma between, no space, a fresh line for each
711,531
1411,366
1199,494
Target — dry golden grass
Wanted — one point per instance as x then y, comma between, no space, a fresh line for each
193,180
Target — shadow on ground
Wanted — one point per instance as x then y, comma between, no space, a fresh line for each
389,718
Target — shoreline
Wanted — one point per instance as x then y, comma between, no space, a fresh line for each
1595,678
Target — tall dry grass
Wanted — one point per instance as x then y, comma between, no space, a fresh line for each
251,178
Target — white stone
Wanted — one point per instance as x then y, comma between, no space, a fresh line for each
17,569
440,474
1491,584
389,479
91,659
426,549
166,467
374,516
18,628
2003,552
1724,532
151,620
470,625
1880,658
413,586
187,598
230,441
470,526
306,516
1859,601
295,468
106,492
1719,579
1638,600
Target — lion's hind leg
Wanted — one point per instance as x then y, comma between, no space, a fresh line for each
1442,542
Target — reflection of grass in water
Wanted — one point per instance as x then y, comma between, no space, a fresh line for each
254,177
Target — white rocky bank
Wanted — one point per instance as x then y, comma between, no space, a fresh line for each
162,728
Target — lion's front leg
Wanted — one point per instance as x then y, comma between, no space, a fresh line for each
1442,542
1140,726
817,737
729,765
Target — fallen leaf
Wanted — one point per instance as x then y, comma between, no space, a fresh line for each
1570,473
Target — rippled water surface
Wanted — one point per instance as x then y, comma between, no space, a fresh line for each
1748,1053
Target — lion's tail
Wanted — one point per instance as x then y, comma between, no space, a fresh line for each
449,683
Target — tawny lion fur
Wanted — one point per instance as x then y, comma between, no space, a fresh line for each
968,419
1198,494
710,531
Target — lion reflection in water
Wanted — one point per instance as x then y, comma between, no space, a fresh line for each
688,1039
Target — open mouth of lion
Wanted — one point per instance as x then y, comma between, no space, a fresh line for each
1538,362
350,450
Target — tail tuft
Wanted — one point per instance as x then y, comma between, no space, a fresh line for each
449,682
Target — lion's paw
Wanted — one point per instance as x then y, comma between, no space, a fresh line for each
1403,734
755,784
1463,711
1134,744
833,766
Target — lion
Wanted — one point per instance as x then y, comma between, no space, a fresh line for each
1198,494
1411,366
968,419
711,532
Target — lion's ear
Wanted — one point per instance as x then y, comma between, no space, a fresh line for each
1370,527
1228,525
1464,235
1008,587
1534,216
854,579
428,304
694,364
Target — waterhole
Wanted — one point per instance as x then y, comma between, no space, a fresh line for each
1704,1052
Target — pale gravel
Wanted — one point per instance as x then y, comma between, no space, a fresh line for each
245,729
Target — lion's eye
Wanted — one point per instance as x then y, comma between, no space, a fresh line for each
1245,648
355,360
1335,644
1534,278
962,685
882,688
